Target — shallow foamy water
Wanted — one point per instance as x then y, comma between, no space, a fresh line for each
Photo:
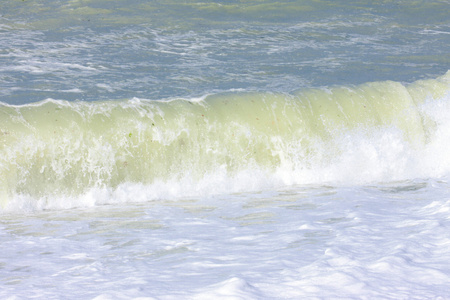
235,149
385,240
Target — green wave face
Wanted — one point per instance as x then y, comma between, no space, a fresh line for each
66,148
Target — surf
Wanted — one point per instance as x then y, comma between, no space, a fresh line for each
229,142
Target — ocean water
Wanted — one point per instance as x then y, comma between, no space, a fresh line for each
224,150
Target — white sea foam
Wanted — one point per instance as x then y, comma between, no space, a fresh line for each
378,241
358,156
215,196
40,67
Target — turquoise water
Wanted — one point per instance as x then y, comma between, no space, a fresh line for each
226,149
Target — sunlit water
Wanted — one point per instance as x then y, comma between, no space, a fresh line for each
382,241
234,150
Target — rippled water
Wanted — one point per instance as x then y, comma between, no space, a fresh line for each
98,50
227,149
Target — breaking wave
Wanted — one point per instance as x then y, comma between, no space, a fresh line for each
60,154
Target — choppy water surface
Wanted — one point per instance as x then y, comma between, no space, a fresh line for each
100,50
227,149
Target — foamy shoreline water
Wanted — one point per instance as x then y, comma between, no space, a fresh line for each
385,241
224,150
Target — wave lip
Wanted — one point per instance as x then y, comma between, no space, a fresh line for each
229,142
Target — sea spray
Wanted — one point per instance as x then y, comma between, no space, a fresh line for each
225,142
